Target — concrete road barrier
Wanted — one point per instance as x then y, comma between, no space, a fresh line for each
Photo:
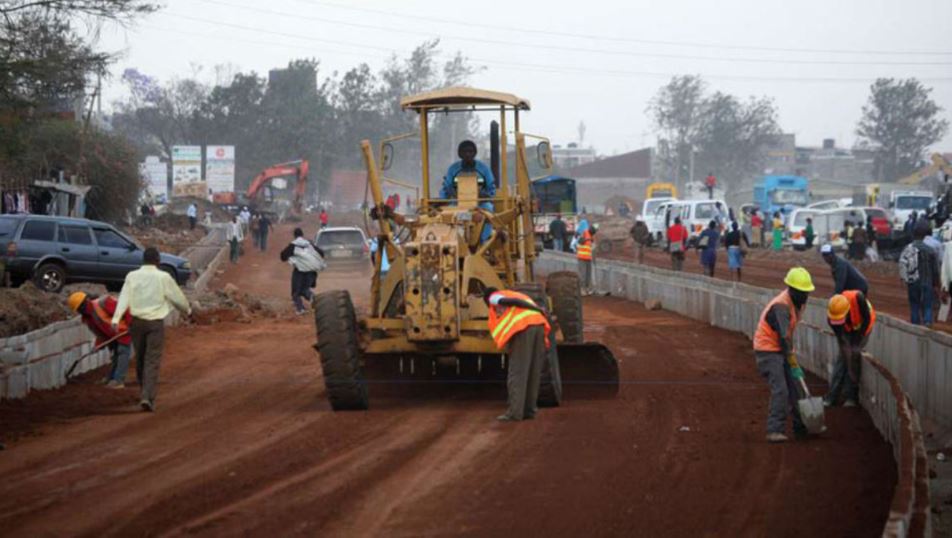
912,368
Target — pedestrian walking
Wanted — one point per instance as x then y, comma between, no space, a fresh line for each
325,218
677,243
234,236
641,237
192,213
919,270
757,229
708,242
521,329
265,227
558,230
253,229
97,314
774,353
858,243
735,253
776,230
149,294
307,260
585,254
851,317
845,276
244,217
809,234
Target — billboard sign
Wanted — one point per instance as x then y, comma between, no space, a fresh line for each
186,164
220,168
155,175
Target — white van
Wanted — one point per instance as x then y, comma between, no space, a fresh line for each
655,220
696,215
797,225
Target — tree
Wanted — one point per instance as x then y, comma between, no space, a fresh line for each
901,120
732,134
676,111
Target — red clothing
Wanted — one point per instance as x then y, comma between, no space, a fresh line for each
710,181
756,221
324,218
101,325
677,232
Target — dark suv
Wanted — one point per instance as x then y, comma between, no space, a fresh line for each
54,250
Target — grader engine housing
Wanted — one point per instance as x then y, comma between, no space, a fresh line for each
432,285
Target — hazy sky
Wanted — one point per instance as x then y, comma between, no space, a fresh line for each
597,61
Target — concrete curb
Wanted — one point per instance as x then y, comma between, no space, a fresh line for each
737,307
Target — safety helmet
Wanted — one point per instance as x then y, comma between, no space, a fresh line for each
595,227
798,278
838,309
75,300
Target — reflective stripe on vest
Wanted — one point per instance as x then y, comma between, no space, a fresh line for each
767,339
855,318
583,251
514,319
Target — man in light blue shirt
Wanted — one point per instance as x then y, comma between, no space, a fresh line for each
484,178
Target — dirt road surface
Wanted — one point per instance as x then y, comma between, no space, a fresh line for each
244,443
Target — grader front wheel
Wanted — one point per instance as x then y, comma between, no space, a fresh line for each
337,345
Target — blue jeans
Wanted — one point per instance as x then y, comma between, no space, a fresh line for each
920,303
120,362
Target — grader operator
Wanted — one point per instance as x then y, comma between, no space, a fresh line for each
427,320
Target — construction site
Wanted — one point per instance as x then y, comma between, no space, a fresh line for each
378,299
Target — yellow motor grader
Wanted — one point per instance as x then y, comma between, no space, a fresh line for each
427,320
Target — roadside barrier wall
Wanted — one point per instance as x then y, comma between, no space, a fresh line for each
924,359
40,359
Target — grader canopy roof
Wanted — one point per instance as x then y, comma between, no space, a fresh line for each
458,96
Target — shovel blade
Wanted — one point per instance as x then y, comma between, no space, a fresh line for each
588,370
811,412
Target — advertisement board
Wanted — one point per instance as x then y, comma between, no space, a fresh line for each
220,168
186,164
155,175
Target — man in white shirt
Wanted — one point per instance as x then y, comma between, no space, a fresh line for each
245,218
234,235
149,294
192,213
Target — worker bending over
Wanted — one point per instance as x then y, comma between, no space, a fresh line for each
584,252
851,316
520,328
776,362
97,315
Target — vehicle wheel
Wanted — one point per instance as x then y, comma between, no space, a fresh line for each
336,324
566,292
50,277
550,381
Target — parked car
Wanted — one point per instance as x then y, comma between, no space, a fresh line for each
797,225
55,250
344,245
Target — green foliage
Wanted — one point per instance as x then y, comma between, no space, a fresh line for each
901,120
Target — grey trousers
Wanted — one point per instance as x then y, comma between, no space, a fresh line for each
148,339
585,273
784,392
842,381
526,353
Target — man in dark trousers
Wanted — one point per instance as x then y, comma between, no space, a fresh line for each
845,276
851,317
149,293
557,230
521,329
264,228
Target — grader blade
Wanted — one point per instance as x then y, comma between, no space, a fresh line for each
589,370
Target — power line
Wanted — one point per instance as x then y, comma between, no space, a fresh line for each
523,30
539,68
570,49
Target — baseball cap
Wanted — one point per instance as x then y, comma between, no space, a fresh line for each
826,249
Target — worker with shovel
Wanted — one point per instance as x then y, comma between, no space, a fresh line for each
851,316
776,362
97,315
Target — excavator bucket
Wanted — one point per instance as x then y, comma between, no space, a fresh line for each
588,370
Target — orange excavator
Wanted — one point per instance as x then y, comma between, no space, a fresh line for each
261,192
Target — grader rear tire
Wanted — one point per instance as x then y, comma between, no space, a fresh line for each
566,293
340,357
550,381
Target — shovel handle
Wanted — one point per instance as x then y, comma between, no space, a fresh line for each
95,349
803,384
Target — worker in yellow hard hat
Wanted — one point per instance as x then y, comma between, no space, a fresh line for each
776,361
851,316
97,315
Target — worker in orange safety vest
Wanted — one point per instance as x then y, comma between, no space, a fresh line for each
851,317
520,328
584,253
97,315
776,361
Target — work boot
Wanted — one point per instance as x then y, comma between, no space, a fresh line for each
506,418
146,405
849,403
114,384
777,438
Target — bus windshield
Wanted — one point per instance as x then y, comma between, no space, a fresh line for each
791,197
555,196
913,202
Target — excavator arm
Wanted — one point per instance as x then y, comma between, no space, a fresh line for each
299,169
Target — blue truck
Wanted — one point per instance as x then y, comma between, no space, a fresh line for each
773,193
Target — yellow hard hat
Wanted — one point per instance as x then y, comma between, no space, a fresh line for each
838,309
798,278
75,300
